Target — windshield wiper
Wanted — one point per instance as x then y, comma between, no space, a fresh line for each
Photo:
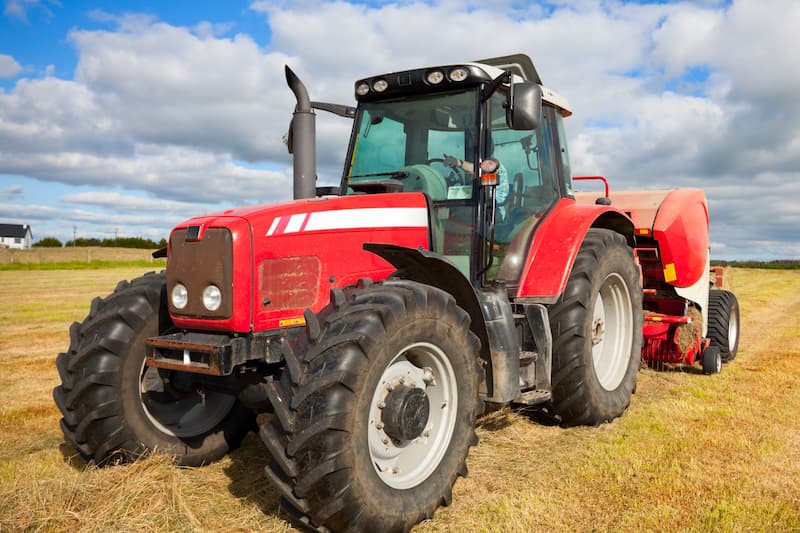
390,173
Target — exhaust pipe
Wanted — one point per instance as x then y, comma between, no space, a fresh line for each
302,140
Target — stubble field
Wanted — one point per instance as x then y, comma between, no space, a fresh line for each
693,452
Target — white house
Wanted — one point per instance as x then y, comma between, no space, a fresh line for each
17,236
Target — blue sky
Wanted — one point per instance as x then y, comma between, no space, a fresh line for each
132,116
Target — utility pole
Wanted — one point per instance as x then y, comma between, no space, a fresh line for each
74,236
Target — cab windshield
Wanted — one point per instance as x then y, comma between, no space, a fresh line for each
407,140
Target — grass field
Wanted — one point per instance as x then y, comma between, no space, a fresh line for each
693,452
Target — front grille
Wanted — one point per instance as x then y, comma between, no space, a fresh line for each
197,264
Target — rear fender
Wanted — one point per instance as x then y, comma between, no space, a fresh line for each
490,313
556,243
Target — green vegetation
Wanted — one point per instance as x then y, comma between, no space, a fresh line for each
48,242
778,264
121,242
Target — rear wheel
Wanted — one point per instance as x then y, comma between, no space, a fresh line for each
723,323
117,408
597,332
374,420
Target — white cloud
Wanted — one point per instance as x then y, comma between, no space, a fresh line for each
170,85
119,202
8,66
12,192
166,171
19,8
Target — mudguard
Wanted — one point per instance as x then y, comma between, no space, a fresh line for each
556,242
489,309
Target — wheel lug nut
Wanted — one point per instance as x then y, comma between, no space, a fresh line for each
395,470
385,440
379,425
381,404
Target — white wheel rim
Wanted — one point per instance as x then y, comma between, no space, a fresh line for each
612,332
403,465
733,332
188,415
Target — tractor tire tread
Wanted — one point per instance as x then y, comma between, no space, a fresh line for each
572,403
308,431
90,371
722,305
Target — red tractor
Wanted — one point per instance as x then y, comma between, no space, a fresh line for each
453,266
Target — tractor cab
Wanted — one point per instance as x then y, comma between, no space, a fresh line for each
483,141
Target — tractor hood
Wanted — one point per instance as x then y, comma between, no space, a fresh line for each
275,261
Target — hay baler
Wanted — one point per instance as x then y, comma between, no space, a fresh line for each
688,316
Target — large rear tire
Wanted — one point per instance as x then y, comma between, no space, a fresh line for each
375,414
116,408
597,332
723,323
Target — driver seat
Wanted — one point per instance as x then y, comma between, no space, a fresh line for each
424,178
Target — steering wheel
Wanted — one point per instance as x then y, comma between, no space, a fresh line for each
457,176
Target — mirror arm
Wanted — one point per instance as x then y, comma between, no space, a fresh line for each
491,87
337,109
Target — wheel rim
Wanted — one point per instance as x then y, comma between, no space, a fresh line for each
612,332
733,331
180,414
403,464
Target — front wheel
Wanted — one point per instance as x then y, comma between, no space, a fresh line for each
712,360
374,420
116,408
597,332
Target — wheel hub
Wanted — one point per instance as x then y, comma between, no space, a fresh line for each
598,330
406,413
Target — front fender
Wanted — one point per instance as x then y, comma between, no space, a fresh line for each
556,243
491,317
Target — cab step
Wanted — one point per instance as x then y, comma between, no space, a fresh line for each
533,397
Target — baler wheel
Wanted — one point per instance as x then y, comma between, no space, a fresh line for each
712,360
116,408
723,323
375,412
597,332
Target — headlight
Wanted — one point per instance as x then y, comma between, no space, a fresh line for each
435,77
362,89
380,85
459,74
179,296
212,298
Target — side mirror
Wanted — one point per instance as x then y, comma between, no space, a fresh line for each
524,106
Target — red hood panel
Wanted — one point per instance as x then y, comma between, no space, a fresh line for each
302,249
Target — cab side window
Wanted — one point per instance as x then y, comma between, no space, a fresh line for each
529,160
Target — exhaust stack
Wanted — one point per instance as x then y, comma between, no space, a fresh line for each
302,140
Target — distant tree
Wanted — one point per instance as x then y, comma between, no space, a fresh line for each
120,242
48,242
83,242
